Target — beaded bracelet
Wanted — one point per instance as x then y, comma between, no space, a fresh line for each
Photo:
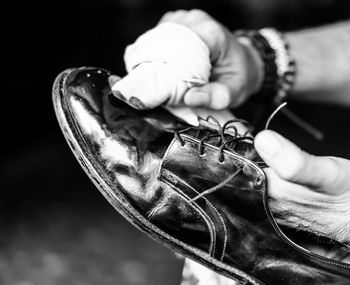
279,67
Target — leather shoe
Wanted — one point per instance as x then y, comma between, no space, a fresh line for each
200,190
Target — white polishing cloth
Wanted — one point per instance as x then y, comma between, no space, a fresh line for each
180,49
163,64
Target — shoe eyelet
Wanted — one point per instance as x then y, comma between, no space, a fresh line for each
201,151
221,158
179,138
258,181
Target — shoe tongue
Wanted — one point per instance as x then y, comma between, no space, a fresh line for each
205,171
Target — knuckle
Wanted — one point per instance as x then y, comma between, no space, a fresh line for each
168,14
198,13
171,16
180,12
165,18
333,175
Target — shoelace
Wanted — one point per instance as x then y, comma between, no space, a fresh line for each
226,140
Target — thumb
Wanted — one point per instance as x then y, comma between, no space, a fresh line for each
214,95
326,174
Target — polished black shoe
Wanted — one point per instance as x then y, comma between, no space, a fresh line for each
200,191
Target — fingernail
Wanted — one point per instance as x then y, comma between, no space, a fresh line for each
136,103
112,80
268,143
119,95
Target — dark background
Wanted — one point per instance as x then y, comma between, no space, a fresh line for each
55,227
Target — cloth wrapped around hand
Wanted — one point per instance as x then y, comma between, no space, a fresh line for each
162,65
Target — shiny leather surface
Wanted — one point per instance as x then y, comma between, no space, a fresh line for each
150,177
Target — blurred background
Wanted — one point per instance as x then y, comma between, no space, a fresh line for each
55,227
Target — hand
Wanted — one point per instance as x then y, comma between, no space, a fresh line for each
306,192
237,69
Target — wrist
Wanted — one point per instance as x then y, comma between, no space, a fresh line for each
279,67
255,66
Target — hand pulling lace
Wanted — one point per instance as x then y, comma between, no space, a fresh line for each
226,141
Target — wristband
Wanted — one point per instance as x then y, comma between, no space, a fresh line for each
279,67
286,67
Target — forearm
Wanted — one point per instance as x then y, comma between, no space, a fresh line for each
323,63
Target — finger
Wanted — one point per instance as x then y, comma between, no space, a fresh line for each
166,17
295,165
214,95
